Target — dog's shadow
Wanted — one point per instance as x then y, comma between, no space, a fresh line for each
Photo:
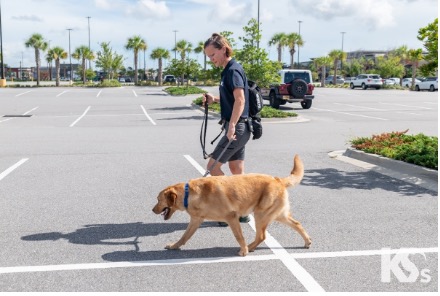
131,234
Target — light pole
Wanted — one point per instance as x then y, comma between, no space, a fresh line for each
299,33
342,49
70,56
2,74
175,43
258,24
88,21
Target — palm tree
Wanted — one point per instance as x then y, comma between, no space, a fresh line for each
160,54
280,40
83,53
337,55
38,43
415,56
402,53
56,54
293,39
136,43
323,63
183,47
201,48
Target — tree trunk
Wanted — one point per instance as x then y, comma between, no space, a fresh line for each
323,72
57,66
292,54
84,70
279,53
135,67
37,61
160,71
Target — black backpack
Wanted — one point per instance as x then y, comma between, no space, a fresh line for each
255,106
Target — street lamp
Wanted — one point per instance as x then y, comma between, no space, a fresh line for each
299,33
175,44
2,78
88,20
70,56
342,49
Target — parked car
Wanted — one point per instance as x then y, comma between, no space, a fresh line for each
169,78
122,79
339,79
408,81
128,79
392,81
430,83
367,80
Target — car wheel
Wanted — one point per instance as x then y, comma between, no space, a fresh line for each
306,104
364,86
431,88
351,85
274,102
377,87
417,88
298,88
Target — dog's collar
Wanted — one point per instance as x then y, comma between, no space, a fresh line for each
185,199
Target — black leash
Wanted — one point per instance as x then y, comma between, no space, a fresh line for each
203,132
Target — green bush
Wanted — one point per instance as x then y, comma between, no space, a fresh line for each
266,112
418,149
109,83
183,90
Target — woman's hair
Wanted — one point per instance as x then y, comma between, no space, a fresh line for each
218,41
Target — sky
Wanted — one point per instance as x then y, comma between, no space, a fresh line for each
369,24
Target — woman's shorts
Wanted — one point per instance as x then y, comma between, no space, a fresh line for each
236,150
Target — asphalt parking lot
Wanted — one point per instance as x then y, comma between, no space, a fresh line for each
80,170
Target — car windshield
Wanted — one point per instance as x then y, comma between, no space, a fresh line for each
289,76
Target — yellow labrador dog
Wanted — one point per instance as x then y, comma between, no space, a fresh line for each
226,198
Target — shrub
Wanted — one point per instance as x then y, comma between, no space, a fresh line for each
109,83
417,149
183,90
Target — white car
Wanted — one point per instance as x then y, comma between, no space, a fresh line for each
392,81
430,83
407,82
367,80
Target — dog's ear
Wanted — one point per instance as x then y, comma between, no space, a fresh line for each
171,196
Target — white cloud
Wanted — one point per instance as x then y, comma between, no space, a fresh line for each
225,11
103,4
149,8
31,18
372,13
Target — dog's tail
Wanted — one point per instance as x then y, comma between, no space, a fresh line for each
296,174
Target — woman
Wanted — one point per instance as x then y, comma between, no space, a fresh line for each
234,106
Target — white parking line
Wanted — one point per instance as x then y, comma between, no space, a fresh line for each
376,109
10,169
26,113
410,106
351,114
23,93
135,94
99,93
61,93
79,118
280,253
148,116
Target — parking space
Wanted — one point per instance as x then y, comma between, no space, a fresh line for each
76,214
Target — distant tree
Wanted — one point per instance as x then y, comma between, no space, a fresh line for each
280,40
415,56
57,54
160,54
429,35
110,62
183,47
83,53
402,53
390,66
293,40
200,48
323,63
136,43
336,55
37,42
254,60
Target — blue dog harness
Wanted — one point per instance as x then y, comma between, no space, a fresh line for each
185,199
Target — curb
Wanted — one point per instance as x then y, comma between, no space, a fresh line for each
414,174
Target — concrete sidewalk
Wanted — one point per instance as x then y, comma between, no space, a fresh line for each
410,173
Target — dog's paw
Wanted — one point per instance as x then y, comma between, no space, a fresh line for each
243,252
308,243
172,247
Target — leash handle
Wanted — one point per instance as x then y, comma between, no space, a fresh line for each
220,156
